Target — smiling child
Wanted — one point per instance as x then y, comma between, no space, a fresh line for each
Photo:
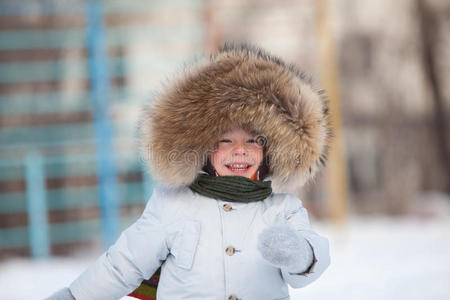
229,141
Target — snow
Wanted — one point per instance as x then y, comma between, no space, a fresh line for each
371,258
382,258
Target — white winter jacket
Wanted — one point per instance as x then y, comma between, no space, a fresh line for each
208,248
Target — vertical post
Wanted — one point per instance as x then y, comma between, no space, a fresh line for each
37,205
213,37
428,38
147,182
336,176
100,88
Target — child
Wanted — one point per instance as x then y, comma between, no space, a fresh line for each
219,228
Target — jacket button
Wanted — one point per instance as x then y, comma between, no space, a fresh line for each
230,251
232,297
227,207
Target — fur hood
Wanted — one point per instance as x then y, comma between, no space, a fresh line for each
242,86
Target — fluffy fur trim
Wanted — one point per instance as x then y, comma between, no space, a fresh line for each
241,86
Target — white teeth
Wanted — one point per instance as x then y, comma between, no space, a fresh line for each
238,167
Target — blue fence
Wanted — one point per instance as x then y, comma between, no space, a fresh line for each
73,77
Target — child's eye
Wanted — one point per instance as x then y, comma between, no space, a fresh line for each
225,141
251,141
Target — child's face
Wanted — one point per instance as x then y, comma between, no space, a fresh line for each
237,154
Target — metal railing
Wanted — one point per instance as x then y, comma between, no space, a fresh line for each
73,74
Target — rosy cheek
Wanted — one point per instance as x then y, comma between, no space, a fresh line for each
217,157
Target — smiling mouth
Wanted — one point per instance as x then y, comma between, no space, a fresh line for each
238,167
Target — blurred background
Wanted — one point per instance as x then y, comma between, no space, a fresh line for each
74,76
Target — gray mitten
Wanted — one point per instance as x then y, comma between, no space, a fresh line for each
62,294
283,247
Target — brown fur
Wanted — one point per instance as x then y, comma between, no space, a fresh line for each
239,86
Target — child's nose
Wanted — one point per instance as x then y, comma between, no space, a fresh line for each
239,149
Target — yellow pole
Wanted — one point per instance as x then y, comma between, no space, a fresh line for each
213,37
336,170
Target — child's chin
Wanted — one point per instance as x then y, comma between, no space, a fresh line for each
247,173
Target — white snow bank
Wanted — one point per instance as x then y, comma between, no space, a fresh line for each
382,258
371,258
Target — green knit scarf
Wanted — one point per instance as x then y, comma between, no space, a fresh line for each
231,188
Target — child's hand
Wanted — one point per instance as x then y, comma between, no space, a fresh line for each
283,247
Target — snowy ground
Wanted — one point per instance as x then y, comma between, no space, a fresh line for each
372,258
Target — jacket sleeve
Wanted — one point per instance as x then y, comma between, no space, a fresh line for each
135,256
297,216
